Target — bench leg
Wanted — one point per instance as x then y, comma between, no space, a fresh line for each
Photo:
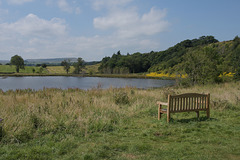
168,117
159,113
197,114
208,113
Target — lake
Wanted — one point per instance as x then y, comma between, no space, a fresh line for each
38,83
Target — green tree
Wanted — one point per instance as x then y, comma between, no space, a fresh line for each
41,70
78,66
236,62
44,65
66,65
201,65
18,62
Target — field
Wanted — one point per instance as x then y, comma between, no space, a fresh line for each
90,69
28,69
117,124
50,70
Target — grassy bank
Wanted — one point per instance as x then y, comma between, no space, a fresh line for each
117,124
8,69
88,71
79,75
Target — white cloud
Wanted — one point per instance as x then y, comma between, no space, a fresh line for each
32,25
128,23
64,6
34,37
18,1
99,4
3,13
31,36
77,10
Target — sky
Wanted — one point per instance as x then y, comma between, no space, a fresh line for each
93,29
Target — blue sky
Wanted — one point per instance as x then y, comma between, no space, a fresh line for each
93,29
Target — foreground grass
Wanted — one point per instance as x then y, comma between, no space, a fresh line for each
117,124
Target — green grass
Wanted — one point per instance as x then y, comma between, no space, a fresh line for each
58,70
89,70
117,124
11,69
50,70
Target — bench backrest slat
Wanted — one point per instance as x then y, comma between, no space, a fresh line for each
188,102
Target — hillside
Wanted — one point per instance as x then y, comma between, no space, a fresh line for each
51,61
4,61
202,58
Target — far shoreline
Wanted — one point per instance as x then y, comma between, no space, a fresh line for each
85,75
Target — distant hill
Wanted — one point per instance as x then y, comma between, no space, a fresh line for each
51,61
4,61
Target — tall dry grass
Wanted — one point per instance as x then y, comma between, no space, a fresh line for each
30,114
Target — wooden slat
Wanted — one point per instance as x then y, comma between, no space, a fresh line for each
175,103
180,107
200,103
189,100
184,103
192,107
205,100
195,102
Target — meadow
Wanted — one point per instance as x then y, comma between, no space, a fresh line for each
89,70
117,124
28,69
50,70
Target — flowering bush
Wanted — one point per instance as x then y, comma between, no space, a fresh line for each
162,74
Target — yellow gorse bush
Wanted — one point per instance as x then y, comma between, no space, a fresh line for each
162,74
225,74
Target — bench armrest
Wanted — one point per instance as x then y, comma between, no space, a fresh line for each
162,103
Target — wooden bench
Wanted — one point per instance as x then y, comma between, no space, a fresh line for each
185,103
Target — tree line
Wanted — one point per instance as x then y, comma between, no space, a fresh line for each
78,66
202,59
152,61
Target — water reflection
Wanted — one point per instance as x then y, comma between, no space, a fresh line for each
37,83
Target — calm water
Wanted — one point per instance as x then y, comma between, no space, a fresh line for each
37,83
